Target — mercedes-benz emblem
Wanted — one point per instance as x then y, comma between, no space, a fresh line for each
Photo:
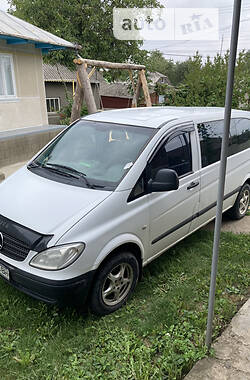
1,241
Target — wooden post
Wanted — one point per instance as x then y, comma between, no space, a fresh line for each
91,72
84,86
145,88
78,96
137,93
108,65
87,90
132,79
78,100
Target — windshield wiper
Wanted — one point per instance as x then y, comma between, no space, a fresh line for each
71,170
73,173
64,167
34,165
58,171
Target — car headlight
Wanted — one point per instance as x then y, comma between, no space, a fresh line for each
59,257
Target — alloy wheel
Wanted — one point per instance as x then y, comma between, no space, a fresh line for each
244,202
117,284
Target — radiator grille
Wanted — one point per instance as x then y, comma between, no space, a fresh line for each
14,248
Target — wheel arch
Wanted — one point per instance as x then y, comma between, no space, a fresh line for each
129,247
234,212
133,245
247,181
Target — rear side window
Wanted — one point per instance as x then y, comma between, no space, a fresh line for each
174,154
211,133
233,140
242,127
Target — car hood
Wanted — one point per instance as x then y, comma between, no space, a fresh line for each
44,205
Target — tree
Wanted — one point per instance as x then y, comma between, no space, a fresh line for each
175,71
86,22
156,62
205,83
181,68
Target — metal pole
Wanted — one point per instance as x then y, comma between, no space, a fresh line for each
223,165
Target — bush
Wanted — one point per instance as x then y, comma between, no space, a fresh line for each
65,112
205,83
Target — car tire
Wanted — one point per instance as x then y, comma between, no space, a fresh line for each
241,204
115,282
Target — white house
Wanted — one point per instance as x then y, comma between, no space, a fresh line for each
22,92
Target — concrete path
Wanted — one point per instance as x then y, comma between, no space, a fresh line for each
232,352
241,226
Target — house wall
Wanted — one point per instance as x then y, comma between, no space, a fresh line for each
28,108
96,93
154,98
57,90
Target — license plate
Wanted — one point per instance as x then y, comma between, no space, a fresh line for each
4,272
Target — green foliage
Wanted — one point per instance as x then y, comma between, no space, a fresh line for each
159,334
175,71
86,22
65,113
205,84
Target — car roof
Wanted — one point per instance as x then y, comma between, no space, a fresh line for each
156,117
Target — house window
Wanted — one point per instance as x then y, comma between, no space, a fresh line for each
7,87
53,104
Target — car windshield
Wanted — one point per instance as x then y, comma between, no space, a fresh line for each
99,154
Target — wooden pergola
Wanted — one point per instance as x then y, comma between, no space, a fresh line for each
84,90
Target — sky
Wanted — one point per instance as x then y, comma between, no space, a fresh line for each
181,50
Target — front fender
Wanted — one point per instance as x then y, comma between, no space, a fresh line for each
246,178
116,243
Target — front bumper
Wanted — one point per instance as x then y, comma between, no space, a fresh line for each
67,292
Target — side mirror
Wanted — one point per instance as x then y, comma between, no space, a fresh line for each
165,180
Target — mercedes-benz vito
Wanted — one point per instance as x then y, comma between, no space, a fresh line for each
111,193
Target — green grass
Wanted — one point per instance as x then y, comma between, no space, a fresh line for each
158,335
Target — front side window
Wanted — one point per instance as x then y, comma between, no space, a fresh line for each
174,154
6,76
140,187
102,153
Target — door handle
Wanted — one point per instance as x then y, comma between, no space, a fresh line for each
192,185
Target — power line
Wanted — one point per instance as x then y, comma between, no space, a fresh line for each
214,53
177,55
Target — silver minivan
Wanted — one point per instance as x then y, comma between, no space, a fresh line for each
111,193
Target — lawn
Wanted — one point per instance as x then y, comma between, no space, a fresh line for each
158,335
